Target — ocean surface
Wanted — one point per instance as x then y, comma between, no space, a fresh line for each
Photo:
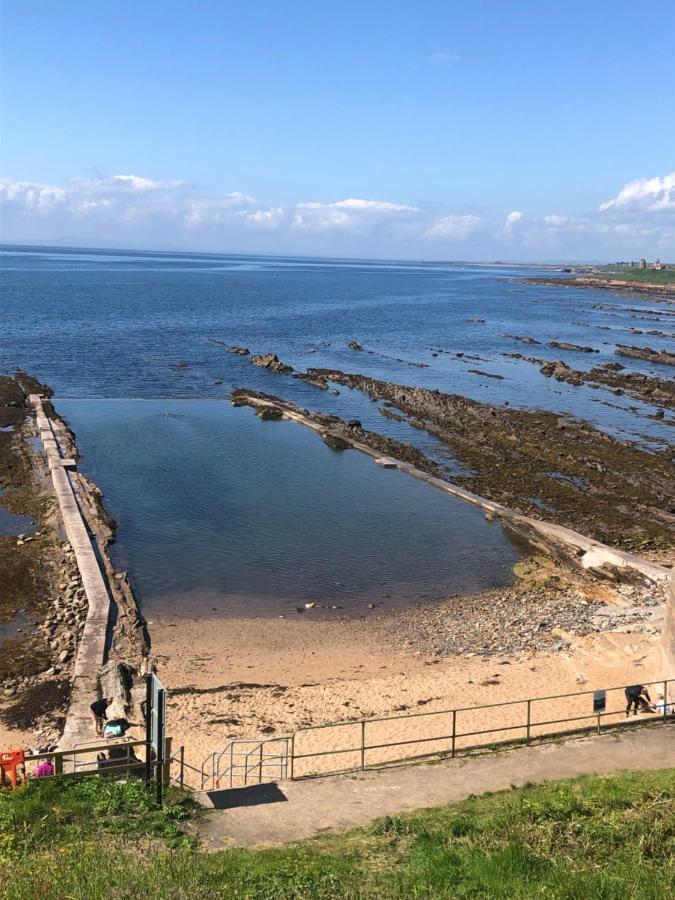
197,491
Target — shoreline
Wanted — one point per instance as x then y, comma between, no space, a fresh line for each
665,291
264,676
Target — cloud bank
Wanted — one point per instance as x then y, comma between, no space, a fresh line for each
638,220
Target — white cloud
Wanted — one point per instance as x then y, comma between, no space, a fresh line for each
556,221
443,59
144,184
266,218
453,227
645,194
639,220
513,218
353,214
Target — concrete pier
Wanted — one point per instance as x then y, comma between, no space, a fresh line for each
92,646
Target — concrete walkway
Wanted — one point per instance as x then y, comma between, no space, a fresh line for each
91,648
289,810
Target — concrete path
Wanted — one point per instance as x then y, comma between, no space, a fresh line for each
289,810
91,648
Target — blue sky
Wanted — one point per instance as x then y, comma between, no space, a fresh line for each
371,128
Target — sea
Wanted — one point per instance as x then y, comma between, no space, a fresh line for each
219,510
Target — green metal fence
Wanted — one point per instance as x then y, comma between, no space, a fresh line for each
370,743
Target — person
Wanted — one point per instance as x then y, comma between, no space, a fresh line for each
663,708
637,697
44,770
98,710
116,728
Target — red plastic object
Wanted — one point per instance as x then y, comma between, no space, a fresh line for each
10,762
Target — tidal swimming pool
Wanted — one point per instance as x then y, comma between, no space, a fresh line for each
219,510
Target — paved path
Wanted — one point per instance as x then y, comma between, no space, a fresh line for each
91,648
297,809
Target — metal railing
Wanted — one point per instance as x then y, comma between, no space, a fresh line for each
82,759
387,740
245,762
513,721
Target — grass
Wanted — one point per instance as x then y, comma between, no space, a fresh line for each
595,838
645,276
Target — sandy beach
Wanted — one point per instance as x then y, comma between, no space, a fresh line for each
253,677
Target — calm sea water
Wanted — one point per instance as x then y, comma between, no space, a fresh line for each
120,325
219,510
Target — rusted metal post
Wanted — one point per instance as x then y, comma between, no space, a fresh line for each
293,756
454,731
182,767
363,744
260,764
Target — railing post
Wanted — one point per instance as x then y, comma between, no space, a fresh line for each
529,720
182,767
58,764
363,744
665,700
293,756
454,731
260,764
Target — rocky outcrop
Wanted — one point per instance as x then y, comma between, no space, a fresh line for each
239,351
334,441
355,345
517,337
659,391
647,354
272,363
513,455
565,345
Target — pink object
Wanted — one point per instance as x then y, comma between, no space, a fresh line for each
44,769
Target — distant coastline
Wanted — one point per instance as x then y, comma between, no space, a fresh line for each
609,284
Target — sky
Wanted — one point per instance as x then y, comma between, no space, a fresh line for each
460,129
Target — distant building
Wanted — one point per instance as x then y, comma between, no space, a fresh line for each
658,265
642,264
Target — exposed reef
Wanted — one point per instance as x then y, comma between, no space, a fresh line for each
610,490
645,388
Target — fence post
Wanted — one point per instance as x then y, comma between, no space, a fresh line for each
529,719
363,744
260,764
182,767
293,756
148,728
454,731
58,764
665,700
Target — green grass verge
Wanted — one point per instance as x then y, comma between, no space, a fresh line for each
593,837
644,276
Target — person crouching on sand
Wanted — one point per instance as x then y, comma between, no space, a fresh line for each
637,696
98,711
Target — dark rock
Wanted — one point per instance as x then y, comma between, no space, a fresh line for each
334,441
240,351
565,345
355,345
272,363
269,413
647,353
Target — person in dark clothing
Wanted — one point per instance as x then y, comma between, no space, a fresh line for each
98,710
637,697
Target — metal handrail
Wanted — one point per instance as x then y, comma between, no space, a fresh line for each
527,726
285,761
263,761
